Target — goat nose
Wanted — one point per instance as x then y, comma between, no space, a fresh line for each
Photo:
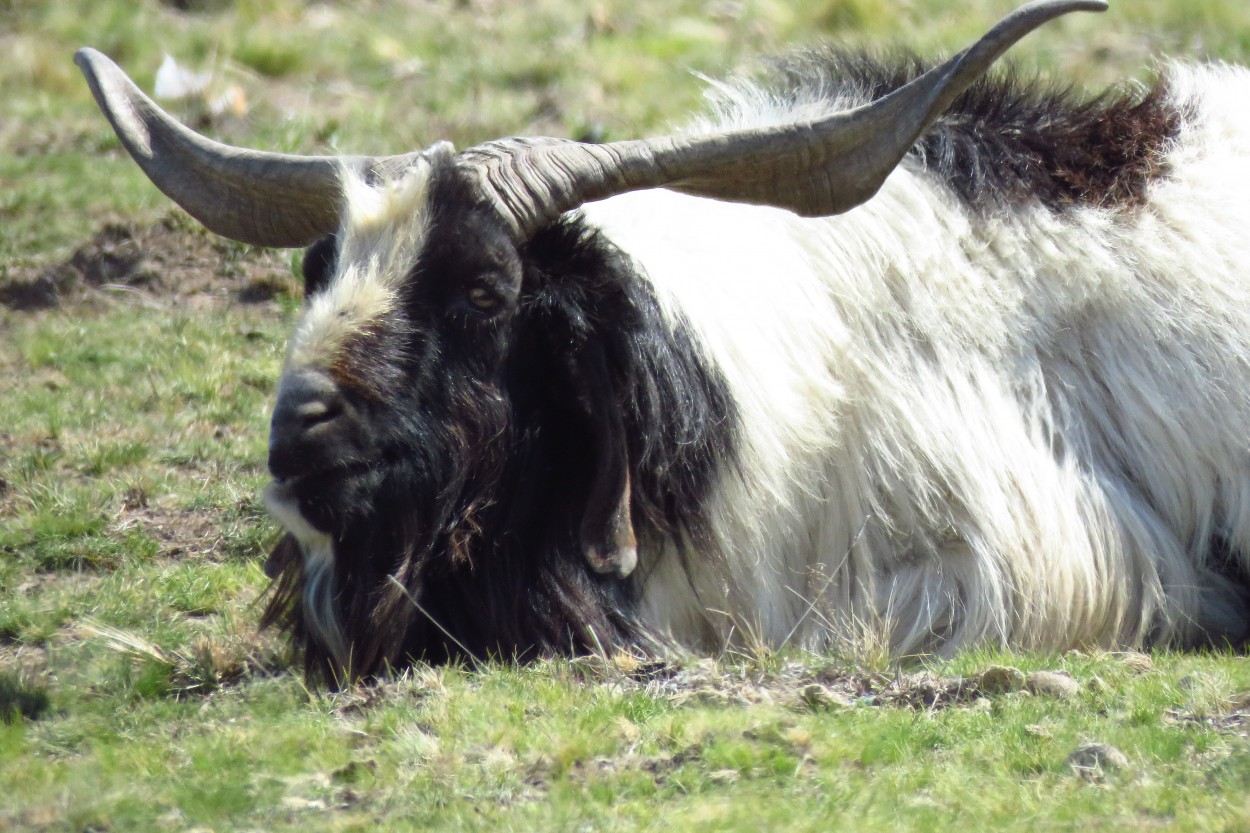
310,425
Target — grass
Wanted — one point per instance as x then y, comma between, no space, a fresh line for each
135,693
538,747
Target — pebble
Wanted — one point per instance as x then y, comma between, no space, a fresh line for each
816,696
1191,682
1136,661
1000,679
1052,684
1094,760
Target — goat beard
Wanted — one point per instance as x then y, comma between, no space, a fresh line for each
470,544
352,617
348,618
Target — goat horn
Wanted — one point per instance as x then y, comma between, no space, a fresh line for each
267,199
814,168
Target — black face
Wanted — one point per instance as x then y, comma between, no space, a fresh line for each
409,394
474,449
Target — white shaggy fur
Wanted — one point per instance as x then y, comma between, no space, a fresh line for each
1033,430
381,236
317,549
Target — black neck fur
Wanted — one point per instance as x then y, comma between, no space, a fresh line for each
1009,141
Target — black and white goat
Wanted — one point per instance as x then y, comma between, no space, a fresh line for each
955,359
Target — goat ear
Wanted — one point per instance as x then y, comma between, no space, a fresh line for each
606,535
319,262
284,555
614,547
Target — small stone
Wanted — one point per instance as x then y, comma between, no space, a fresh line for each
724,776
1052,684
815,696
1094,760
705,666
295,804
1097,685
1000,679
1136,661
1239,702
1191,682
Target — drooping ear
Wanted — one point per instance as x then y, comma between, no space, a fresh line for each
611,544
319,263
577,395
283,557
606,533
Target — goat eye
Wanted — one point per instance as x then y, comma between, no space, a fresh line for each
483,299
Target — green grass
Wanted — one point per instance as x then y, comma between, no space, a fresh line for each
135,693
539,747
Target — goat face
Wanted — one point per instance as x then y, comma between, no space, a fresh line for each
447,432
391,425
393,375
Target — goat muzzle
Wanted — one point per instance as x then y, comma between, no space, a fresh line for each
314,428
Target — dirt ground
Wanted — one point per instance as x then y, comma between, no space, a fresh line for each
170,262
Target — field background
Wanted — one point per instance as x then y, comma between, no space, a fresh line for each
137,359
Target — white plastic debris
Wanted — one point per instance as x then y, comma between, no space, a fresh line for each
175,82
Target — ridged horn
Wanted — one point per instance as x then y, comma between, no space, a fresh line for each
814,168
267,199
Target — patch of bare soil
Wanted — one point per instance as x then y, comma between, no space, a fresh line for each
30,661
170,262
820,687
801,686
793,684
1231,718
179,532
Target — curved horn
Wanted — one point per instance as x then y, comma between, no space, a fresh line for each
267,199
814,168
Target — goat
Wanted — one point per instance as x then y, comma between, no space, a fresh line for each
893,349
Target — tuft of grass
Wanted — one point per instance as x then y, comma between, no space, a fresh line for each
270,54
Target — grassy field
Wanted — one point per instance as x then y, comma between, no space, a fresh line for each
138,356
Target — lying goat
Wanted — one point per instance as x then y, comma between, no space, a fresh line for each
953,359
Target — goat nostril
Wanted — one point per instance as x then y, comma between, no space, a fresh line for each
308,405
314,426
318,411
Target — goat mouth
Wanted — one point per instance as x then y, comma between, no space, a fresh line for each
318,478
284,505
301,502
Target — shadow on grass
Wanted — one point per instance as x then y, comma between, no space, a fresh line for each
20,699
